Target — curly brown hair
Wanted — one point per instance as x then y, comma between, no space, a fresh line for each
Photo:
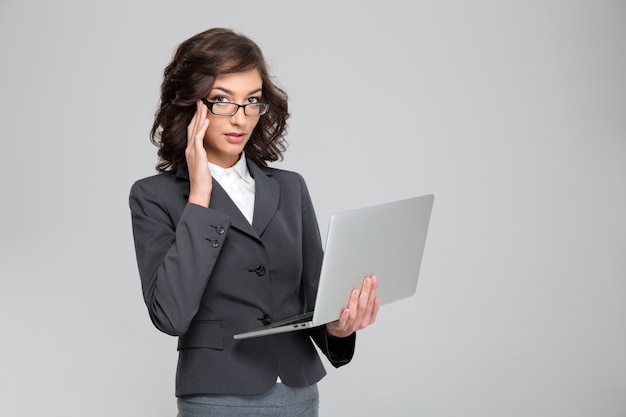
190,76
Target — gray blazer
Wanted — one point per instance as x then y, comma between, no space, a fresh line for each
207,274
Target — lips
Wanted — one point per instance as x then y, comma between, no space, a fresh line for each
235,137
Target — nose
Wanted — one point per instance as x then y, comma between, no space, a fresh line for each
239,117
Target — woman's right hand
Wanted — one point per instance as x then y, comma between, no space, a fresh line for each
200,182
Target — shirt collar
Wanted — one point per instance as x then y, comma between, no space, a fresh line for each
240,167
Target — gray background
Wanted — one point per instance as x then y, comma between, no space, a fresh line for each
512,113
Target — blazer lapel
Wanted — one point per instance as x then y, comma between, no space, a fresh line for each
266,197
221,201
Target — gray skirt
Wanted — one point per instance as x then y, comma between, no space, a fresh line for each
280,401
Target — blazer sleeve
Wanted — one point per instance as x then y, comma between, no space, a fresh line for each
175,261
339,351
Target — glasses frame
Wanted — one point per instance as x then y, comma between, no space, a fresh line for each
210,104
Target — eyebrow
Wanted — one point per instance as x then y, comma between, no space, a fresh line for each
227,91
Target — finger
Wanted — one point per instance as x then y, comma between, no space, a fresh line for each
364,296
367,301
191,127
375,310
344,319
197,127
374,283
339,328
203,121
372,295
353,305
200,136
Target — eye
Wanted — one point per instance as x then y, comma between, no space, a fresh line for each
219,99
254,100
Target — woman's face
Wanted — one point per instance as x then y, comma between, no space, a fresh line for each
226,136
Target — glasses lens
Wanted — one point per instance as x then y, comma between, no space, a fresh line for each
256,109
229,109
224,109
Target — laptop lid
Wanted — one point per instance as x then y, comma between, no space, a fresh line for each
386,240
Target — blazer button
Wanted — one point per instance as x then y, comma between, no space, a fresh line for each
220,230
215,243
260,270
266,319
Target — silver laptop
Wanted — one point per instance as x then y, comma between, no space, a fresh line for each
386,240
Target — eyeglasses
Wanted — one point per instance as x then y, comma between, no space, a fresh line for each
223,108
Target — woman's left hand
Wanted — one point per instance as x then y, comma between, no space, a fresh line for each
361,311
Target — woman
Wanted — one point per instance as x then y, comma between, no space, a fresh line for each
224,242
